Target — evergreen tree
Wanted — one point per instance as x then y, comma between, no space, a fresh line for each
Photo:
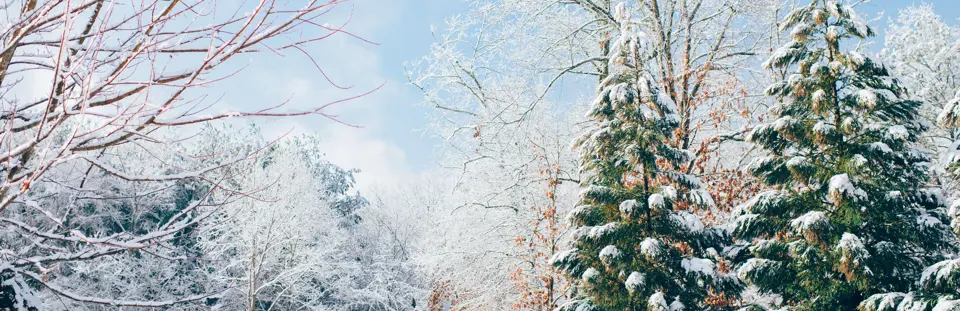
950,118
634,249
939,286
850,214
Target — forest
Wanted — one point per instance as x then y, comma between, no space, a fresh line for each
591,155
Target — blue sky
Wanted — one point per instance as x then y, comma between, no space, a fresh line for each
948,9
390,146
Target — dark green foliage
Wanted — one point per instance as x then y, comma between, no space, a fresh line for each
850,215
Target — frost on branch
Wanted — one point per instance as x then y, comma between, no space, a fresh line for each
100,179
687,221
650,247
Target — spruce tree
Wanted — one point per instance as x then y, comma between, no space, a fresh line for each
850,214
633,249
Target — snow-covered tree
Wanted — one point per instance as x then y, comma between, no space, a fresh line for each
938,287
924,52
939,284
632,249
280,245
90,87
950,118
466,263
850,214
297,240
101,210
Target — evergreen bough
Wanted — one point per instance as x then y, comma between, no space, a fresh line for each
850,215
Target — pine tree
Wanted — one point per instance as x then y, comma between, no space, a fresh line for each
850,214
633,249
939,284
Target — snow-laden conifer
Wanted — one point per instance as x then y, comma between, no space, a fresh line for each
939,284
634,249
849,179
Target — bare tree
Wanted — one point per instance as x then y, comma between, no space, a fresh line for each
87,82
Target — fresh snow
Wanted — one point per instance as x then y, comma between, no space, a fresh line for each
599,231
819,96
657,302
954,210
859,25
655,201
564,256
840,187
941,273
689,221
833,32
635,281
698,265
897,132
798,161
926,220
762,198
669,192
783,123
676,305
853,253
850,241
880,146
609,253
627,207
752,295
752,265
810,221
650,247
702,197
799,32
888,301
590,274
894,195
867,98
578,212
859,160
947,305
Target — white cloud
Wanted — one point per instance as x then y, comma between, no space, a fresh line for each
347,61
380,162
